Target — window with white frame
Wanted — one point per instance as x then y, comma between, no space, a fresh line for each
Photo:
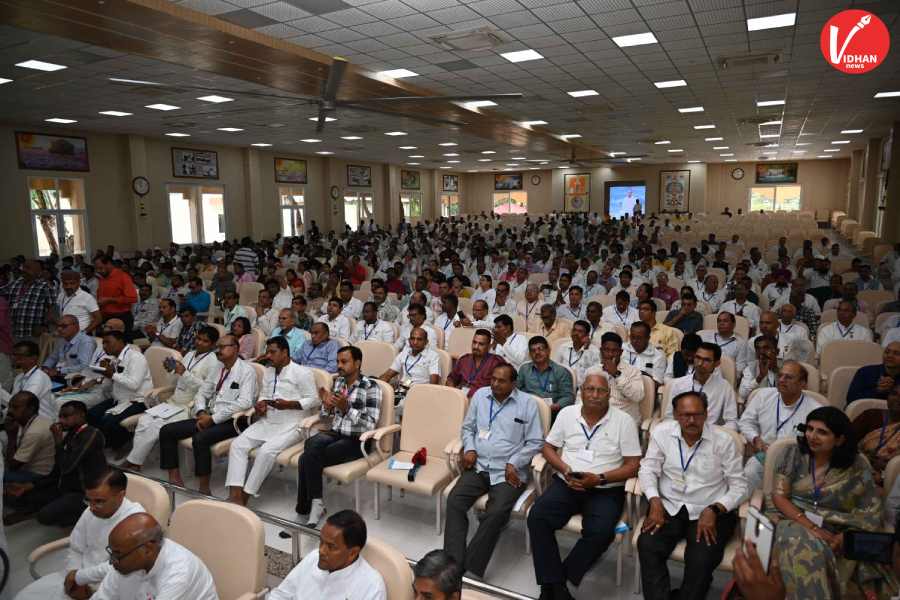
510,203
359,207
196,213
58,216
291,201
449,204
412,205
774,197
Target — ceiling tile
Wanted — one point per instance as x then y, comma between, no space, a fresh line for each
246,18
210,7
388,9
319,7
313,24
495,7
376,29
279,30
350,17
281,11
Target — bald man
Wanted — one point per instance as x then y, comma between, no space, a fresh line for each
146,565
72,300
73,350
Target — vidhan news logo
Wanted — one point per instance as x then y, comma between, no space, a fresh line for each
855,41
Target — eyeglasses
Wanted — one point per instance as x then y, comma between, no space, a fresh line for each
223,346
116,557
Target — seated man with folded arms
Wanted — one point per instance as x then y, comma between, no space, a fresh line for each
693,497
72,353
621,312
594,318
165,332
190,326
625,382
416,364
501,434
721,404
354,406
30,449
147,565
577,353
228,389
192,370
437,576
544,378
320,351
32,379
371,327
288,396
530,307
590,475
774,413
762,372
686,318
509,345
877,381
337,569
503,304
473,371
87,562
642,355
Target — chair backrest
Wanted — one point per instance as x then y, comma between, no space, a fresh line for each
445,362
220,328
544,413
432,416
248,292
152,496
858,407
324,379
377,356
884,321
465,305
385,415
873,297
237,567
728,370
460,341
660,303
260,340
260,374
849,353
519,323
392,565
649,397
773,457
813,383
251,313
661,316
741,324
830,316
890,476
155,356
839,384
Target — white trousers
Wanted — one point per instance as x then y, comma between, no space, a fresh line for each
753,471
146,435
48,587
268,446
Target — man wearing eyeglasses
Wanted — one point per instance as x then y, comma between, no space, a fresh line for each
72,353
708,382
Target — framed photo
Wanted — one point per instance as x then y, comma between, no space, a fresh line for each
450,183
506,182
290,170
674,191
410,180
197,164
577,184
577,202
776,173
44,152
359,176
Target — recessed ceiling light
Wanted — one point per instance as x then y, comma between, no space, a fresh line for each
162,107
693,161
769,152
484,160
772,22
327,119
583,93
614,154
114,113
488,152
713,139
730,160
887,94
851,131
451,154
773,122
261,145
135,81
176,134
804,133
408,147
521,56
512,164
771,146
675,150
570,136
416,156
704,126
798,151
350,137
769,135
803,144
518,158
531,123
831,150
413,163
4,80
636,39
398,73
453,161
479,104
563,167
662,142
631,159
394,133
763,103
823,156
446,168
39,65
60,120
447,144
727,154
841,142
720,147
229,129
215,99
324,152
670,84
311,140
691,109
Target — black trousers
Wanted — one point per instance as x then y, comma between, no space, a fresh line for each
600,511
63,511
116,435
171,434
501,499
700,558
95,414
324,449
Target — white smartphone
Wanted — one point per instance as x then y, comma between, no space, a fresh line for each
761,532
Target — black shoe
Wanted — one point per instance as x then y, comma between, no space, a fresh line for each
546,592
561,592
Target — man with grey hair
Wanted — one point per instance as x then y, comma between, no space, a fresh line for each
437,576
73,350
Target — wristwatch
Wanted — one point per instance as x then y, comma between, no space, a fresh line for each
602,477
716,509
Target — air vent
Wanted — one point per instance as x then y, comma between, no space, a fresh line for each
758,144
747,61
756,120
483,38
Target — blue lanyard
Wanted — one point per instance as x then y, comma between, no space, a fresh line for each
817,491
716,338
684,467
366,333
842,332
577,360
26,377
274,384
406,366
625,320
311,352
778,422
197,358
448,323
473,374
493,416
881,440
591,436
545,380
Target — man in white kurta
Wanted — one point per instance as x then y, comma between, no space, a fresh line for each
842,329
640,354
32,379
510,345
86,560
706,379
288,396
625,382
371,327
577,353
192,371
733,346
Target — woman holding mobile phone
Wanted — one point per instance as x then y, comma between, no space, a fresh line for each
822,488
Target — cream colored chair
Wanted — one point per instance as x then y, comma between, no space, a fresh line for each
163,381
519,323
248,293
324,381
839,385
445,362
830,316
377,357
813,383
773,457
884,321
873,297
239,566
741,325
220,328
393,567
149,494
858,407
728,370
465,305
432,419
460,342
260,340
849,353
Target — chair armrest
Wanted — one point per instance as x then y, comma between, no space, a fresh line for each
636,487
756,500
160,394
42,551
539,463
452,452
309,422
254,595
377,435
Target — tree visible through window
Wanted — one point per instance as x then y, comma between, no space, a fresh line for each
58,216
510,203
771,198
292,203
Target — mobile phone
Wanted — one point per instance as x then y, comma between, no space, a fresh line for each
761,532
869,546
576,475
270,402
461,315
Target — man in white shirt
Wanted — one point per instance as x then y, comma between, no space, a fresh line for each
577,353
86,560
350,306
416,316
509,345
415,364
503,304
72,300
574,310
371,327
792,334
732,346
640,354
779,289
288,396
280,292
842,329
147,565
706,379
762,372
192,370
32,379
625,382
338,324
742,307
621,313
798,290
772,414
711,294
266,313
590,471
166,331
693,497
337,569
530,308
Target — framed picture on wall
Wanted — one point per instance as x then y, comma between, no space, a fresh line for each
507,182
410,180
776,173
290,170
577,203
674,191
577,184
359,176
196,164
625,198
51,152
450,183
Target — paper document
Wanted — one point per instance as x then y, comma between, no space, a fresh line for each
399,465
164,410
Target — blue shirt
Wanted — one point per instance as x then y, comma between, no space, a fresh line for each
865,383
323,356
513,436
72,356
198,300
295,339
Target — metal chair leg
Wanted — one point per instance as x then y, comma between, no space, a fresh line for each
437,512
356,494
620,557
377,501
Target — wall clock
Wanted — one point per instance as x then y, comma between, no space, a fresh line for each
140,185
737,174
535,180
335,192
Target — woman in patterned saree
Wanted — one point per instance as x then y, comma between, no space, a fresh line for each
879,434
822,488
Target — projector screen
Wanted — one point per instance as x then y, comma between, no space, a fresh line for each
621,197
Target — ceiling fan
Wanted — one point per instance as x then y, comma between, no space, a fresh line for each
328,101
589,162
